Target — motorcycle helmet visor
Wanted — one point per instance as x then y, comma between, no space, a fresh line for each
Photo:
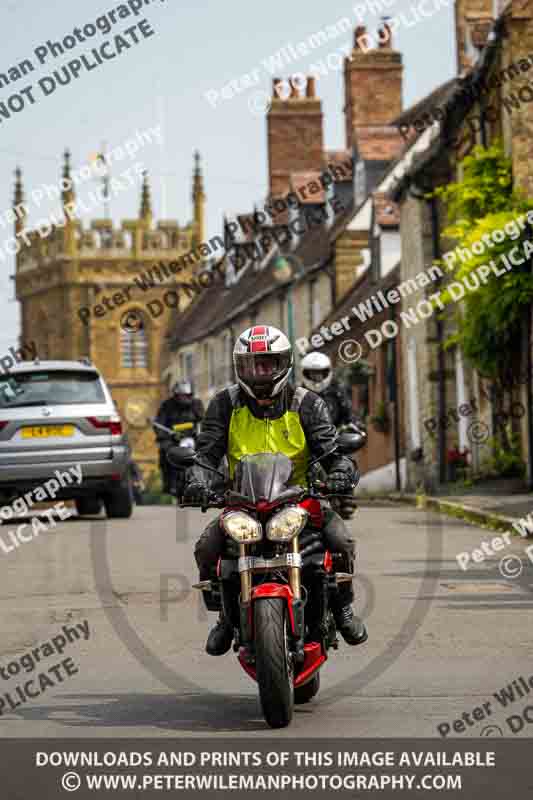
262,369
316,375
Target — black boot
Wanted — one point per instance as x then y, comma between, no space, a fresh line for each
220,637
351,628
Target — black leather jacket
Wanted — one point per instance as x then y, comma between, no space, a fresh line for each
172,411
338,403
320,434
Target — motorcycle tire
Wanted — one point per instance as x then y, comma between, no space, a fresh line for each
303,694
274,669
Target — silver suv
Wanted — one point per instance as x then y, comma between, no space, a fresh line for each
57,414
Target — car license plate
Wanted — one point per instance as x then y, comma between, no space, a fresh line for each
43,431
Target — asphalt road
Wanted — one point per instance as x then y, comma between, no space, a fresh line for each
442,640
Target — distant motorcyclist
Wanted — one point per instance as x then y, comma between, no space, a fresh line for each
180,407
318,376
262,413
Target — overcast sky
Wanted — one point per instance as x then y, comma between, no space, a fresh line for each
197,47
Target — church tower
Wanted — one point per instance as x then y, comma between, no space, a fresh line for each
108,293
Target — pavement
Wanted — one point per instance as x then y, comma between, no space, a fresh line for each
443,641
495,511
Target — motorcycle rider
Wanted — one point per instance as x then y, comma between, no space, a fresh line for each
317,375
263,413
181,406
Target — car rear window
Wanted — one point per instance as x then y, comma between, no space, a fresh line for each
51,388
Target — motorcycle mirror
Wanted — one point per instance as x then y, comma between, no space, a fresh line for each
351,442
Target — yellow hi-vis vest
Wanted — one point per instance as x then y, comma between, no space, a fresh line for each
249,435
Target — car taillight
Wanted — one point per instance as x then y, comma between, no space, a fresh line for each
114,426
3,424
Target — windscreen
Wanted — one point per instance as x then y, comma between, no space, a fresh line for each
58,387
262,476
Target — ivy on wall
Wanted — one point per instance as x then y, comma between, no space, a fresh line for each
489,319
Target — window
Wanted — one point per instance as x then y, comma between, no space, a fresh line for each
51,388
134,344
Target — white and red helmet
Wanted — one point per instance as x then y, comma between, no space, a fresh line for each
262,358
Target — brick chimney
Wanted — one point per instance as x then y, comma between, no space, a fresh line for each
473,21
294,130
372,83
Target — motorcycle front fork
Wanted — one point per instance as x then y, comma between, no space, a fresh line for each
294,574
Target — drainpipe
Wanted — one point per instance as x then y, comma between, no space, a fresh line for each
396,410
440,339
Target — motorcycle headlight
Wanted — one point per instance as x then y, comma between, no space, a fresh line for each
287,524
242,528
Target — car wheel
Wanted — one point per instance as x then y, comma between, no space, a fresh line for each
119,503
88,505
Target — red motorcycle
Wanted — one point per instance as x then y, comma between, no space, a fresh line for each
275,581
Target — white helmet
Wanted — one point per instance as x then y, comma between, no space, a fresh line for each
182,387
317,373
262,358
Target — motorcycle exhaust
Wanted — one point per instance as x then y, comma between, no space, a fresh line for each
203,586
341,577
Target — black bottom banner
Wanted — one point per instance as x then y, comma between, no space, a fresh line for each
195,768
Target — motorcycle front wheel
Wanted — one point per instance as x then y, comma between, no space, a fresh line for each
274,666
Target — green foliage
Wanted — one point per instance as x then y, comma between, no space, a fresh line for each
488,318
505,461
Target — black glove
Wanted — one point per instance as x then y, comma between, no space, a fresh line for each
196,492
339,483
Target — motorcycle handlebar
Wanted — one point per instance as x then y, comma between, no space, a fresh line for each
221,501
214,501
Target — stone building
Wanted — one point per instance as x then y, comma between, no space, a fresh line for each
490,100
79,297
